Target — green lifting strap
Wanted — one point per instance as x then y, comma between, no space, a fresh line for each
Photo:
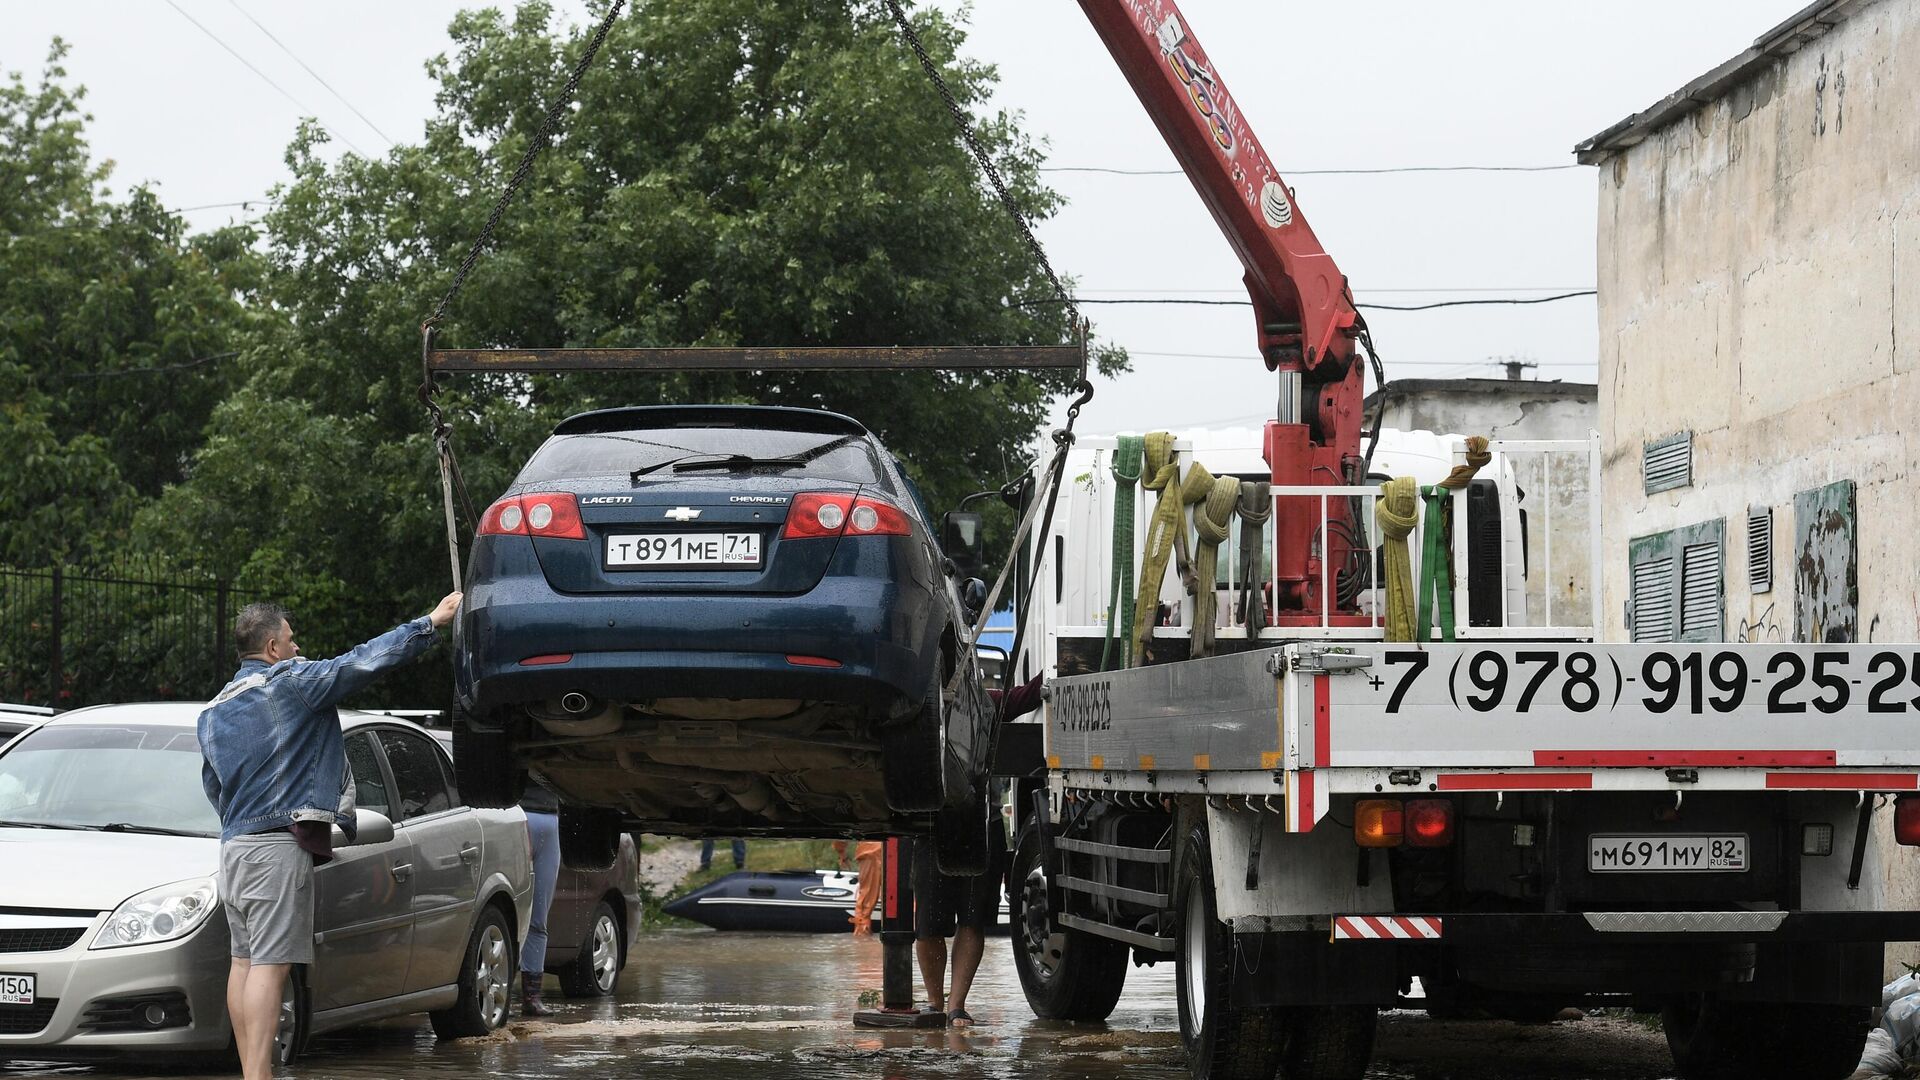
1161,473
1126,473
1436,568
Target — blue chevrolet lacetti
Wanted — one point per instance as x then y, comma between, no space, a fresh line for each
720,620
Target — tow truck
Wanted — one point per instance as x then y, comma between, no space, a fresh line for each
1312,820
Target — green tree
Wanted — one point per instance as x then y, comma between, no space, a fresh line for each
113,328
737,172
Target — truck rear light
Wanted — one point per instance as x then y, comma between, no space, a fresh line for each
1429,823
1378,823
554,514
1816,838
1906,820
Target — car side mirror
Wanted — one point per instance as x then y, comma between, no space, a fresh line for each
962,537
370,827
973,595
993,666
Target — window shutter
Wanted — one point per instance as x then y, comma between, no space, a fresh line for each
1651,573
1760,549
1700,592
1667,463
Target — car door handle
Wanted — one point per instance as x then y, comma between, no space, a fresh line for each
470,853
402,871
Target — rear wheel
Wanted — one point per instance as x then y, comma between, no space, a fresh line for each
597,967
1223,1041
910,757
589,838
486,972
1067,974
1721,1040
483,765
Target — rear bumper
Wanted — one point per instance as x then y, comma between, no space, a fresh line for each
625,648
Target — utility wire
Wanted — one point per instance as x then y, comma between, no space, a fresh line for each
264,77
1397,363
1491,301
309,70
1325,172
1395,289
62,376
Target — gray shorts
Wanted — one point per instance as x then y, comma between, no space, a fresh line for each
266,883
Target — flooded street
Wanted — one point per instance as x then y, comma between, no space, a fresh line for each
706,1006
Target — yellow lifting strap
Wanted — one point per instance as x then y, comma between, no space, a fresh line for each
1397,510
1167,527
1212,521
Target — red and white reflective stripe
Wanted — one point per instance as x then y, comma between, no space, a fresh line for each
1386,928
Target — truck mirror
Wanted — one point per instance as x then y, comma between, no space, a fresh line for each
961,537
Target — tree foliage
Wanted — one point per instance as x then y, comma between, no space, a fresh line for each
736,172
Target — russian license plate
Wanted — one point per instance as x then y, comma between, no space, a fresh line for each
1667,853
16,989
685,549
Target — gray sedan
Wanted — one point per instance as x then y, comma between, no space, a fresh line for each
113,942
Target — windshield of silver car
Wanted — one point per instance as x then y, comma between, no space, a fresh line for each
119,777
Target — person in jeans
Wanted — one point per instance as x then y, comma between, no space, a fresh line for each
276,770
739,853
543,839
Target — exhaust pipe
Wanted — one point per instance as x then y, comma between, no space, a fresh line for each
575,703
581,716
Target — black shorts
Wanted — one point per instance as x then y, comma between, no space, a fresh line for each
942,903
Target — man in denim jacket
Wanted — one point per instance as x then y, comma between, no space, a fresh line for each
276,769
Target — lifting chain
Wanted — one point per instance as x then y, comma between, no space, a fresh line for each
450,479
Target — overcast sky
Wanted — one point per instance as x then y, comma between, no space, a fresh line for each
1359,84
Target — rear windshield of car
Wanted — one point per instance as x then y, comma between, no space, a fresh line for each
89,775
830,456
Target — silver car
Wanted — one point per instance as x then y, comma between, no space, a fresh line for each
113,941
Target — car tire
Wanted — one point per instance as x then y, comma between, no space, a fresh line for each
1067,974
1223,1041
960,844
596,968
483,765
296,1018
487,969
589,838
910,756
1712,1039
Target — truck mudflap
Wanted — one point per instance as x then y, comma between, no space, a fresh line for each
1618,927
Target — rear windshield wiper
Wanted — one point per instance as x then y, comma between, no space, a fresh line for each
156,830
731,462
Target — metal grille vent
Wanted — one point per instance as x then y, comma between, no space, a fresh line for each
1668,463
1700,592
1760,549
1653,600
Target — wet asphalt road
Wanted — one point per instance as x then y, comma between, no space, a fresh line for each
702,1005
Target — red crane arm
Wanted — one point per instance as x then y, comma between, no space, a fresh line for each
1299,295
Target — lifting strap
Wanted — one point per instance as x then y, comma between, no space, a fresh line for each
1398,510
1436,564
1212,521
1255,509
1126,473
1160,473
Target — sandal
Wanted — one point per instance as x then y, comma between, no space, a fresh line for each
959,1018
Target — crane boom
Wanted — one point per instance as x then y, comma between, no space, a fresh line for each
1304,318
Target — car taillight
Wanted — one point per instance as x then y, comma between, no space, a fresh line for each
821,513
1378,823
1906,820
1429,822
554,514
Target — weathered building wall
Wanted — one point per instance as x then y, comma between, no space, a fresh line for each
1557,488
1759,286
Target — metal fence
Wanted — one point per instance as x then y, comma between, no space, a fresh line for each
130,632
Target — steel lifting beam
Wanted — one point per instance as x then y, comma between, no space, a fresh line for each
883,358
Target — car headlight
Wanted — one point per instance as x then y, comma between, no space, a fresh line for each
163,914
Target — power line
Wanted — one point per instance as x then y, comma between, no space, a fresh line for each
60,376
1491,301
1326,172
309,70
244,204
1249,357
263,75
1393,289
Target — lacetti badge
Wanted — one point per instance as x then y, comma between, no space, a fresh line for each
683,513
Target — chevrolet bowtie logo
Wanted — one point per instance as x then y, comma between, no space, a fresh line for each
683,513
